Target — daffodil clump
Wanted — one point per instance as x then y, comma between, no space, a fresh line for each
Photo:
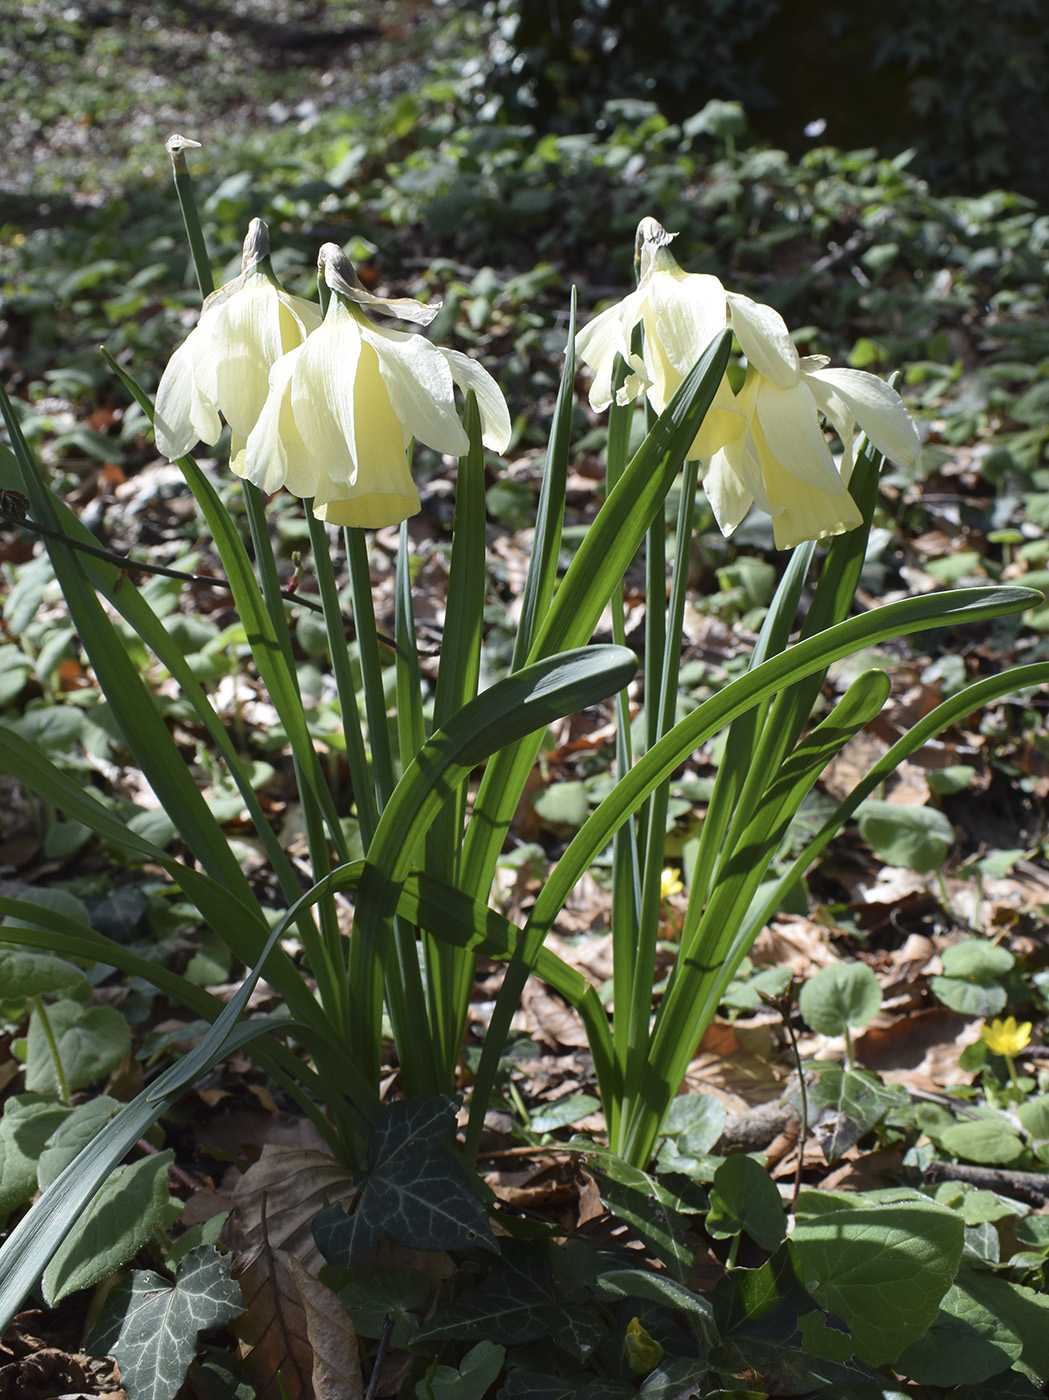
766,444
324,406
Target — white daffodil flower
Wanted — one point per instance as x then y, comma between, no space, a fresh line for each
343,406
781,460
766,444
681,313
223,365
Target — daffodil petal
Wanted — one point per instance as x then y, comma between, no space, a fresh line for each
322,394
879,410
684,314
469,374
764,339
725,490
182,418
418,382
606,336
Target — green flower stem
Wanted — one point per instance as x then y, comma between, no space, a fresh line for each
40,1011
1010,1064
450,973
664,703
405,999
625,915
356,750
191,219
326,955
372,681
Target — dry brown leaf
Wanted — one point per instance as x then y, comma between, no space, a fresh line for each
294,1331
279,1195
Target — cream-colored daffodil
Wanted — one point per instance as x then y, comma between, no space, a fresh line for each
681,313
224,363
343,406
766,444
781,459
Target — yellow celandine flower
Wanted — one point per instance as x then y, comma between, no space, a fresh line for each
1006,1037
670,882
224,363
764,445
343,406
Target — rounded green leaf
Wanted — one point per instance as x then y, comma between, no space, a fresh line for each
989,1141
845,994
91,1040
976,958
25,973
882,1269
915,837
969,998
129,1207
745,1198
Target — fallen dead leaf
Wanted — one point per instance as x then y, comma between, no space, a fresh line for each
280,1195
297,1341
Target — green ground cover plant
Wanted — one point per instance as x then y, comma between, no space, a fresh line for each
407,791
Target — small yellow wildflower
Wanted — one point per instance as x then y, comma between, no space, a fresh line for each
670,882
1006,1037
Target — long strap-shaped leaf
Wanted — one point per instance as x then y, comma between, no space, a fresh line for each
974,697
702,962
892,620
591,580
139,720
38,1234
518,705
230,916
57,933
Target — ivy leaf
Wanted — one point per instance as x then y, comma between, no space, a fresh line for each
414,1191
150,1324
847,1104
119,1220
518,1302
